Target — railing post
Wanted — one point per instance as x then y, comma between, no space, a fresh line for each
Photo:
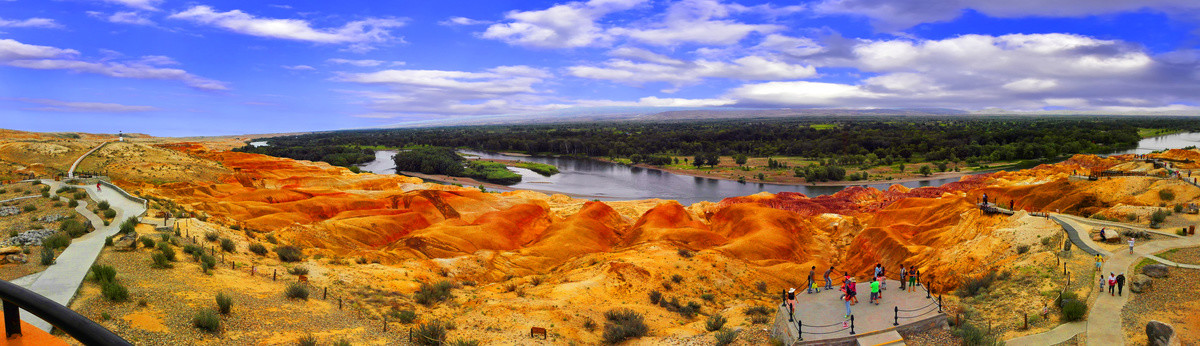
927,288
799,330
325,294
939,303
1026,315
273,273
12,320
851,324
896,316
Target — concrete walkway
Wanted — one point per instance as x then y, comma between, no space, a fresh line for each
71,172
823,313
19,198
1104,223
1057,335
60,281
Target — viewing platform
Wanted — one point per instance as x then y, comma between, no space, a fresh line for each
819,317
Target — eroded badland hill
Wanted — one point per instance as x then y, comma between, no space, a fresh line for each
520,259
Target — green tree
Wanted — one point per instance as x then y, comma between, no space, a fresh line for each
925,171
740,159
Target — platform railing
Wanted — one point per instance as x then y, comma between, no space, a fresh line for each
81,328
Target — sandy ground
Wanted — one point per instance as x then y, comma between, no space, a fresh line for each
1172,300
1190,255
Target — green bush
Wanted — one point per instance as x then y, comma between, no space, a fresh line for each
114,291
725,337
56,241
72,227
207,320
80,195
161,261
307,340
167,251
147,242
758,310
271,239
45,194
677,278
1178,208
430,334
759,319
289,253
708,296
463,342
1166,195
47,256
29,208
1021,249
714,322
972,286
297,290
211,236
432,294
103,273
73,203
164,237
103,205
207,262
258,249
1158,217
129,225
404,316
224,303
623,324
298,270
227,245
972,335
1074,310
109,213
655,296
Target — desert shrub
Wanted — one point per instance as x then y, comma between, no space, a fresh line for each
102,273
72,227
160,261
103,205
1166,195
687,311
114,291
1178,208
73,203
47,256
655,296
193,250
685,253
258,249
342,342
12,234
224,303
207,320
430,334
405,316
235,227
147,242
307,340
104,316
589,324
432,294
58,240
714,322
298,270
623,324
676,278
165,237
758,310
109,213
271,239
29,207
456,342
288,253
80,195
972,335
297,290
207,262
707,296
211,236
129,225
725,337
761,286
1074,310
972,286
227,245
45,194
759,319
1021,249
167,252
536,280
143,303
1158,217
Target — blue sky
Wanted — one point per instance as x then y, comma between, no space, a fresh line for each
174,68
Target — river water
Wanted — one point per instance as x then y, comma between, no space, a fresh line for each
609,181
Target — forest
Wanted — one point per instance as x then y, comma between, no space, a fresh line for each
832,140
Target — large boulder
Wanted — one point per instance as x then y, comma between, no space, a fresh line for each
16,258
1156,271
1140,283
1160,334
9,250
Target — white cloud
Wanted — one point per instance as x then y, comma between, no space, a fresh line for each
148,5
299,67
691,72
499,90
29,23
134,18
891,15
361,34
644,55
363,62
1031,85
652,101
568,25
17,54
696,21
807,94
452,21
50,105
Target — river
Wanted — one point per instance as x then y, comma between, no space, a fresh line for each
610,181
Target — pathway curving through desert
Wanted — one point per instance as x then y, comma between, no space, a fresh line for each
60,281
71,172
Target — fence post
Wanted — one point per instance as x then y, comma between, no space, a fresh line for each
799,330
273,273
339,303
939,303
1064,268
325,294
1068,278
12,320
927,288
896,316
1026,319
851,324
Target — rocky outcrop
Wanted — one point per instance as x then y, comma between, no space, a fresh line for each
1160,334
1140,283
1156,271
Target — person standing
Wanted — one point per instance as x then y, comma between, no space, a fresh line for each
1099,261
1112,283
875,291
903,277
846,299
853,291
791,301
882,278
1120,283
812,273
913,274
828,282
1131,245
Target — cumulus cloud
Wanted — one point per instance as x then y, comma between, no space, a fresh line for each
452,21
360,34
17,54
652,101
29,23
696,21
891,15
568,25
50,105
148,5
499,90
134,18
299,67
363,62
655,68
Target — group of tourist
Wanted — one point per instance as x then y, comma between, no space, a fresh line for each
1114,281
850,286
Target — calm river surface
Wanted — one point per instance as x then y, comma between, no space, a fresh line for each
610,181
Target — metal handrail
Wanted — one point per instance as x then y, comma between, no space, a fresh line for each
81,328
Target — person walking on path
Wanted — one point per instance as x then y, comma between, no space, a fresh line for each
875,291
1131,245
811,281
853,291
1120,283
791,301
828,282
912,278
1112,283
903,277
1099,261
846,299
97,186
